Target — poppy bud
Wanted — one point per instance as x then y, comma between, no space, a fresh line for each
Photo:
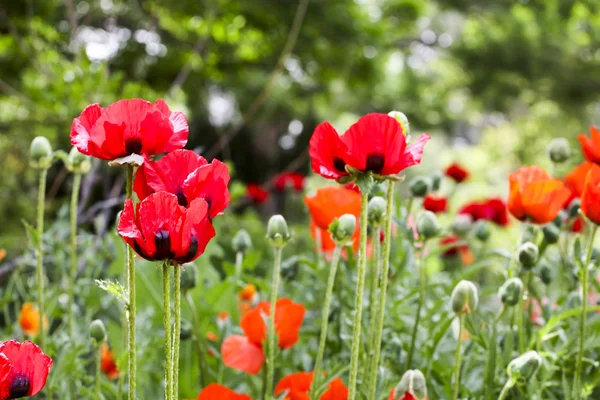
528,255
419,186
546,274
241,241
464,297
462,224
482,231
413,383
189,276
186,331
427,225
343,228
574,299
97,332
40,152
403,121
510,291
376,210
558,150
530,234
277,231
574,207
436,181
524,367
561,218
77,162
551,233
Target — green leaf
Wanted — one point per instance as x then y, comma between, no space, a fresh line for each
116,289
32,233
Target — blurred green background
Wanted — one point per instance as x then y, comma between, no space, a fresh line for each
256,76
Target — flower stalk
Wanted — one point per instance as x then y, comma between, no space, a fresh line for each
40,254
422,278
73,253
168,344
271,333
457,356
176,332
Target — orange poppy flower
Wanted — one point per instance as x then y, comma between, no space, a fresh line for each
576,178
590,198
297,385
247,293
29,319
107,362
214,391
535,196
245,353
2,254
590,146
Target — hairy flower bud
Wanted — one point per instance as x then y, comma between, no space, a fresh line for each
419,186
413,383
277,231
343,228
189,276
427,225
510,291
574,207
528,255
551,233
558,150
546,274
524,367
40,152
561,218
462,224
241,241
97,332
482,231
464,298
403,121
376,210
436,181
77,162
186,331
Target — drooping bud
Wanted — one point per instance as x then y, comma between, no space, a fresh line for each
189,276
462,224
561,218
403,121
558,150
40,152
528,255
419,186
574,207
546,274
277,231
482,231
464,298
97,332
376,209
413,383
524,367
551,233
343,228
241,241
428,225
510,291
436,181
77,162
186,331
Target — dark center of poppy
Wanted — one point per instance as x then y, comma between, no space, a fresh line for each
163,245
192,250
339,164
181,199
19,387
133,145
375,162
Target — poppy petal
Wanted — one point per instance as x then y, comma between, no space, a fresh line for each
288,320
337,391
332,202
414,152
295,386
196,232
240,353
214,391
180,126
81,127
327,152
209,182
28,360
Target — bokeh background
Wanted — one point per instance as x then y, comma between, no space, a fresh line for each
490,80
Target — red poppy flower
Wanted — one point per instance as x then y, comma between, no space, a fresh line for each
128,127
245,353
161,229
493,210
576,178
374,143
435,204
590,198
107,362
454,249
23,369
457,173
535,196
214,391
352,186
577,225
188,176
590,146
297,385
257,194
292,180
405,396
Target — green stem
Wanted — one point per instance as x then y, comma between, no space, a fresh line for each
360,288
583,315
131,349
506,389
271,336
73,274
325,318
40,254
422,278
199,339
456,388
521,315
167,327
98,369
176,333
375,273
239,260
387,245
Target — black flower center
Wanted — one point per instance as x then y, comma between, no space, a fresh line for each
375,162
163,245
192,250
181,199
339,164
19,387
133,145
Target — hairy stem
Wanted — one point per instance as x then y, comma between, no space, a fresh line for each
73,255
167,328
131,348
413,339
176,332
457,355
40,254
271,335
